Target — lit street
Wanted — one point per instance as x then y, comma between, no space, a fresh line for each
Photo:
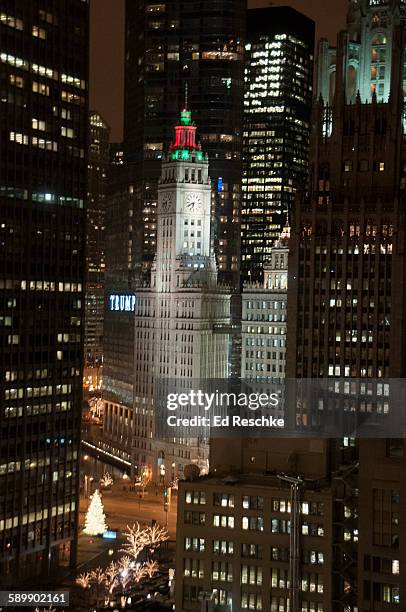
127,507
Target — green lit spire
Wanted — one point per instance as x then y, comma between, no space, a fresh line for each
186,117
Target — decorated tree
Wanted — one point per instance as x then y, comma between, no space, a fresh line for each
111,576
98,586
126,564
97,576
154,536
106,480
136,540
95,521
151,568
139,537
84,580
139,572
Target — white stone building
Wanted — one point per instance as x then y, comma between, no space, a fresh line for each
264,309
178,317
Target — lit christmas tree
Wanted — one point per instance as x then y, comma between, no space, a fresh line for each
95,522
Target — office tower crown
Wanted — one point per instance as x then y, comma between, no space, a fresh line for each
366,64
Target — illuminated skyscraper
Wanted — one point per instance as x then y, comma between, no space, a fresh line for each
176,314
366,49
169,44
171,47
277,110
43,174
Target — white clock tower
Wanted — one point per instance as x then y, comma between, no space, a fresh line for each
184,252
178,316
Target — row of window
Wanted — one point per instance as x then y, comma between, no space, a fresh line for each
252,574
253,502
253,523
255,551
363,166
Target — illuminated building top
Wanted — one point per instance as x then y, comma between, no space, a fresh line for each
184,147
368,52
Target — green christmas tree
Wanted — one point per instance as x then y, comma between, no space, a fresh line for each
95,521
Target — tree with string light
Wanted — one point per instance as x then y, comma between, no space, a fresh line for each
136,540
95,521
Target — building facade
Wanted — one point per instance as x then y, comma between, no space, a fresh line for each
346,292
179,315
263,324
234,530
277,112
366,48
43,173
99,159
124,240
171,46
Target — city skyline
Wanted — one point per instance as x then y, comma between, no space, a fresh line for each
203,364
107,60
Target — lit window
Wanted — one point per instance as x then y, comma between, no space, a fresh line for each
40,88
38,125
19,138
39,32
16,80
11,22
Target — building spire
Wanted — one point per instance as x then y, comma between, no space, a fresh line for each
284,236
186,96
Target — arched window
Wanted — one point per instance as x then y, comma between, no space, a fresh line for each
351,83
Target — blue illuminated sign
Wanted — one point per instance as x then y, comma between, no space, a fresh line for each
219,184
122,303
110,535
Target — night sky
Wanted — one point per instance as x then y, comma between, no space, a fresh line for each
107,48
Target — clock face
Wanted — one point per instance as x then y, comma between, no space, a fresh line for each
193,202
166,202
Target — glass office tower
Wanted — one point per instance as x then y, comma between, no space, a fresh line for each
277,111
43,143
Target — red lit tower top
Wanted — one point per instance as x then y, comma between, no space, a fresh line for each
185,147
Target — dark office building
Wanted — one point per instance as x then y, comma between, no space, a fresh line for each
43,170
277,111
347,293
125,231
99,161
201,44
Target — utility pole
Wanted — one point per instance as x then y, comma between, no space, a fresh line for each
294,562
166,504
